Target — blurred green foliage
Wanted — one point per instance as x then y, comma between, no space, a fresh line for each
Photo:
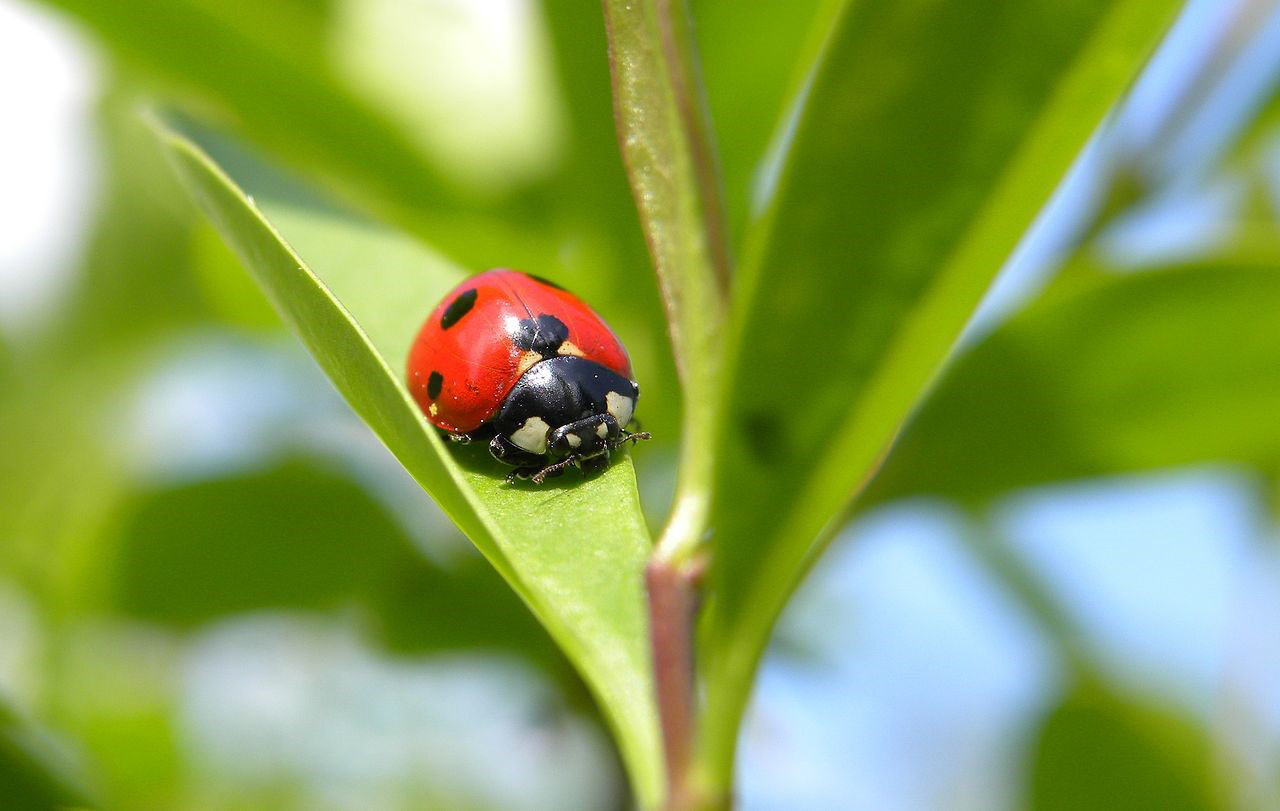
288,537
1097,375
1098,750
33,774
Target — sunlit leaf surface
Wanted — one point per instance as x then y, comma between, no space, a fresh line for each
573,550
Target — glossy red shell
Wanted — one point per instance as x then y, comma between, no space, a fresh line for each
475,354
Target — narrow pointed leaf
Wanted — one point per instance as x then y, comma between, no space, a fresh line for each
356,293
932,134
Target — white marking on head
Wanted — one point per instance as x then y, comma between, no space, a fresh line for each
620,406
602,430
573,439
568,348
532,436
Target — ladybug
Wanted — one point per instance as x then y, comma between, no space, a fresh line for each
522,362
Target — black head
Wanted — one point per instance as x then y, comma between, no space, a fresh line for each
560,391
543,334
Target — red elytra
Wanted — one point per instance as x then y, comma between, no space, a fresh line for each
469,342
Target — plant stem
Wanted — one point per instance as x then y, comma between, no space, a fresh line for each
686,83
671,608
664,136
664,133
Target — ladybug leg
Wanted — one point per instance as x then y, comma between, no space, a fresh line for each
585,437
584,444
588,464
525,462
625,437
527,473
594,464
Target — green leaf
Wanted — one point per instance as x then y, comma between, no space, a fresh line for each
1095,750
199,551
462,606
574,551
932,134
1118,374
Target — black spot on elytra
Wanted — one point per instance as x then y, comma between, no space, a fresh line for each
543,335
547,282
763,433
434,384
458,308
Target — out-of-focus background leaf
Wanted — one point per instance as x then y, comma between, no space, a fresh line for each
751,98
33,772
195,553
268,70
1096,751
1112,431
1095,376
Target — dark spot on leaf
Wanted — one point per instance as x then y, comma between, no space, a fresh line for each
434,384
763,435
458,308
547,282
543,335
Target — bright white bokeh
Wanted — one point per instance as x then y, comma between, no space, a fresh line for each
48,161
273,699
469,80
